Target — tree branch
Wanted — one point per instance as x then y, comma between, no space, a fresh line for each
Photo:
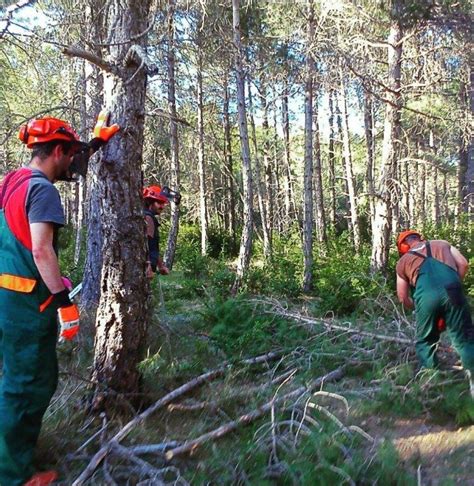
92,58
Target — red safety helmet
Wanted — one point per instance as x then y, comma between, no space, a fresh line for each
154,193
41,130
401,245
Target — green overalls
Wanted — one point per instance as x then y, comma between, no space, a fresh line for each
28,333
438,293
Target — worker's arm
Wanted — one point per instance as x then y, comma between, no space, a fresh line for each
45,257
461,262
403,293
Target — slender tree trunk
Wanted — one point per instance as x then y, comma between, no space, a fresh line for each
435,208
308,158
289,207
383,204
246,239
258,182
122,315
267,165
318,180
349,171
332,158
370,143
229,163
173,132
201,151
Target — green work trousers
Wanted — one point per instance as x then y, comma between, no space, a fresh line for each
439,293
30,375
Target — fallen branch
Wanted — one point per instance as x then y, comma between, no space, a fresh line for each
331,326
255,414
162,402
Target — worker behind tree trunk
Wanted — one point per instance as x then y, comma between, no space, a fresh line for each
155,202
33,295
433,271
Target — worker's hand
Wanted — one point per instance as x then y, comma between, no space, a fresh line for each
67,283
164,270
68,315
68,321
102,130
149,271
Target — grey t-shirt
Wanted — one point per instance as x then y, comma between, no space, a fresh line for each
43,204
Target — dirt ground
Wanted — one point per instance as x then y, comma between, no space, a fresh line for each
440,455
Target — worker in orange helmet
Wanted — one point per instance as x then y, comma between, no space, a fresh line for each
155,202
34,298
433,271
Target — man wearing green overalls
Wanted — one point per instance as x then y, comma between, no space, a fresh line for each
33,297
432,271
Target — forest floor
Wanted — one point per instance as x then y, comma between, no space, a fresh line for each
270,421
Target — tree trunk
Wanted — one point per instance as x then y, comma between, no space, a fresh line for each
246,239
370,143
308,158
383,205
201,162
267,165
123,310
332,158
289,207
173,132
258,182
320,217
230,213
90,293
349,171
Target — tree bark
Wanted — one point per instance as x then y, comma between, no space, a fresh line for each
258,182
308,157
90,293
349,170
320,217
383,205
230,213
173,133
289,206
201,151
123,310
246,239
332,158
370,147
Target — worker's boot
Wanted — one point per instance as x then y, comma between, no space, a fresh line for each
42,479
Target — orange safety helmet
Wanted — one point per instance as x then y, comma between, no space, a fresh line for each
154,193
401,245
47,129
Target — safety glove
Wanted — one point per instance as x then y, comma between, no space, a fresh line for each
102,131
68,316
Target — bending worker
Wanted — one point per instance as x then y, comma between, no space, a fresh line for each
433,270
33,296
155,202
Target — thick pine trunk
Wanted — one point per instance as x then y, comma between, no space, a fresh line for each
246,239
383,205
122,314
173,132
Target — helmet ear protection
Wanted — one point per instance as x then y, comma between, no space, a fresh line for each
402,245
